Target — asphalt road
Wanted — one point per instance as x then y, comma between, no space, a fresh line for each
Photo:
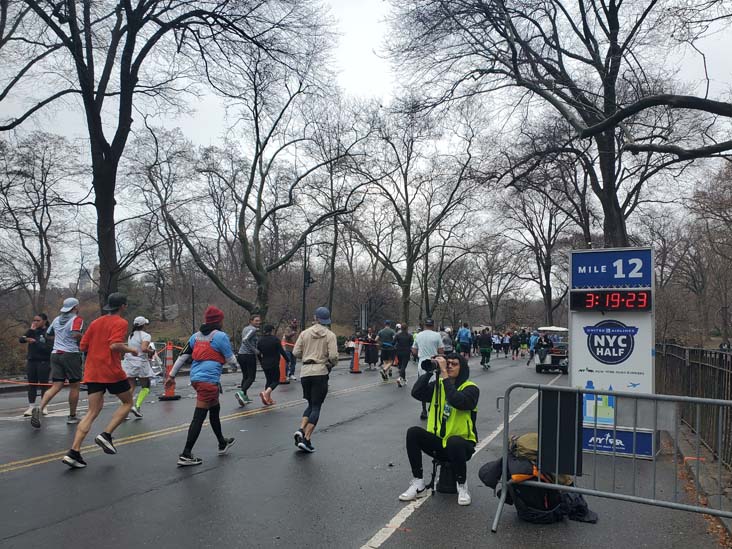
265,493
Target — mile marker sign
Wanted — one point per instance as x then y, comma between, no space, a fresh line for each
612,341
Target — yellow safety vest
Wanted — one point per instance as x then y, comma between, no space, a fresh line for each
457,423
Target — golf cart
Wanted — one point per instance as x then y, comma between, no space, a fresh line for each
556,358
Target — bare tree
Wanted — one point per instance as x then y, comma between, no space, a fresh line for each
416,190
109,53
35,176
584,59
259,197
539,227
498,266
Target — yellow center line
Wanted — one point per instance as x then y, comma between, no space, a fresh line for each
140,437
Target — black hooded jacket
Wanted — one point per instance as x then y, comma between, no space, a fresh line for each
467,399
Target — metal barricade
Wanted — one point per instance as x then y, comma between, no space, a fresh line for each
658,408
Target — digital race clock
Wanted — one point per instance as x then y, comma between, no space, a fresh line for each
610,300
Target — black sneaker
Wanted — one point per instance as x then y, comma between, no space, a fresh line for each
36,418
74,460
228,443
299,437
389,372
306,446
104,440
187,461
383,374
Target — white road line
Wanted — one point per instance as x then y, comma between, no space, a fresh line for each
397,520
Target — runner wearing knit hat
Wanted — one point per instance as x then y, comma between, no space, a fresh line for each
210,349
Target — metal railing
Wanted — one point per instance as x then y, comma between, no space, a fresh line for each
699,373
658,412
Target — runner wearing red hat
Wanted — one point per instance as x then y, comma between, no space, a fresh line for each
210,349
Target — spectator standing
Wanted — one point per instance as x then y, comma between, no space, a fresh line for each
38,361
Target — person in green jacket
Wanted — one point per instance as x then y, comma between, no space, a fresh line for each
451,435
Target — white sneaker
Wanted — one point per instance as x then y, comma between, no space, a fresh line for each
28,412
416,489
45,411
463,494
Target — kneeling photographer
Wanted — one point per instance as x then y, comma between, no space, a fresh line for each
451,434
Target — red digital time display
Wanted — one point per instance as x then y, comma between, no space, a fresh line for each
610,300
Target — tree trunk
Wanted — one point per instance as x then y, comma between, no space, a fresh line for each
105,179
262,303
331,284
614,229
548,297
406,295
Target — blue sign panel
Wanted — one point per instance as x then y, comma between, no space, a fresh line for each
621,441
623,268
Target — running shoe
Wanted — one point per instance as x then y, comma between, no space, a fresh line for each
28,412
463,494
399,382
229,442
306,446
187,461
36,417
241,398
299,437
104,440
72,420
416,489
389,372
136,412
44,410
293,378
383,375
74,460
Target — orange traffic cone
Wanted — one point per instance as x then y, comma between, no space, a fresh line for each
169,393
283,366
355,369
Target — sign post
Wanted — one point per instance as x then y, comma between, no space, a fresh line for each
612,344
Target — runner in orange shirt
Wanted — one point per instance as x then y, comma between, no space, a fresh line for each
104,344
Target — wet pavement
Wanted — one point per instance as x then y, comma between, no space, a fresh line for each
265,493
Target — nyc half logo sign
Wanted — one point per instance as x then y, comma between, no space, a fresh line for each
610,341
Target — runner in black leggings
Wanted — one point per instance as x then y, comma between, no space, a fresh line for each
403,341
270,350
